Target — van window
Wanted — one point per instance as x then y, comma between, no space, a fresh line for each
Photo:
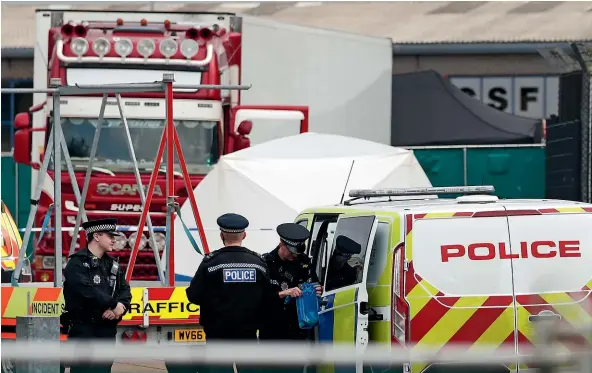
552,252
346,263
379,253
304,223
323,229
461,256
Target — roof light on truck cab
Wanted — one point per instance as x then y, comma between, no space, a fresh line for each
366,193
79,46
101,46
168,47
123,47
146,47
189,48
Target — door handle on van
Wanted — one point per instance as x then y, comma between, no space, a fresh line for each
364,309
374,315
545,315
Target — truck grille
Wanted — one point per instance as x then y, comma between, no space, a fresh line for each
145,265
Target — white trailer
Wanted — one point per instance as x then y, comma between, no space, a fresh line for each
345,79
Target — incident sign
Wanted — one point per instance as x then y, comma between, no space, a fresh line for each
47,308
190,335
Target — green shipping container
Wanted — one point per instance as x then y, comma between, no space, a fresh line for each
516,171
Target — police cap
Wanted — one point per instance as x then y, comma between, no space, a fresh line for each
232,223
293,236
108,226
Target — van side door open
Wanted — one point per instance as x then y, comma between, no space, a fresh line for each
344,313
552,269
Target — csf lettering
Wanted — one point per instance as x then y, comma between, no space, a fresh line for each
240,275
490,251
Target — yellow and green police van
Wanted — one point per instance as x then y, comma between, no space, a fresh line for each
404,268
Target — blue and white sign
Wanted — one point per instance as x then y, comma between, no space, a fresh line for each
526,96
240,275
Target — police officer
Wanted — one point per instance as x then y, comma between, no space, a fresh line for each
96,293
231,286
288,268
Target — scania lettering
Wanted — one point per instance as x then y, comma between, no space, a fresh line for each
123,207
445,271
489,251
124,189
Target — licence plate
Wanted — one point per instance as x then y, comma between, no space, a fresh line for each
190,335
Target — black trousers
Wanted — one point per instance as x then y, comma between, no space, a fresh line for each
87,331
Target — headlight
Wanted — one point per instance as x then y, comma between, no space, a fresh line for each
101,46
168,47
48,262
120,243
189,48
160,239
79,46
146,47
124,47
143,240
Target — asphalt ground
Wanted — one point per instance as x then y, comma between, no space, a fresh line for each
148,366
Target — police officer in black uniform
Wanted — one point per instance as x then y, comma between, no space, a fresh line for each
231,286
96,293
288,268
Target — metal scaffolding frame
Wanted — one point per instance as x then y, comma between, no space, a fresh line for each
169,139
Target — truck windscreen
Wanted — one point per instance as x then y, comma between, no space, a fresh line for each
199,142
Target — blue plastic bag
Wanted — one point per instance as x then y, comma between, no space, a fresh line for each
307,306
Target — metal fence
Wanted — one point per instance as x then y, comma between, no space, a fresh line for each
546,355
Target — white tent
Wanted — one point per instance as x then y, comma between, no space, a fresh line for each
272,182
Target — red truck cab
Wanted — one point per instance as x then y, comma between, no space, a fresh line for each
118,52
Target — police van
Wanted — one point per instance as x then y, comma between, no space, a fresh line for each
404,267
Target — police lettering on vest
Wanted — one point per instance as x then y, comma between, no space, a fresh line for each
240,275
